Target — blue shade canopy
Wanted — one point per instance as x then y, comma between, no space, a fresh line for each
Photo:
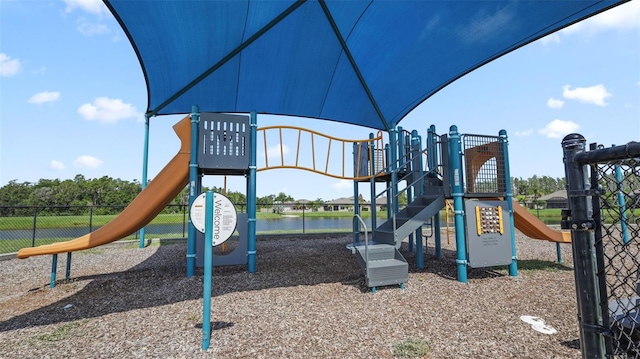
367,63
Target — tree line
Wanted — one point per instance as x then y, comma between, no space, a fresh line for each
535,187
106,195
109,195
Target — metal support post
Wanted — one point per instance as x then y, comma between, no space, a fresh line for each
457,192
251,194
559,253
622,205
583,246
372,172
432,164
356,211
504,142
145,165
67,272
208,269
193,189
54,267
417,169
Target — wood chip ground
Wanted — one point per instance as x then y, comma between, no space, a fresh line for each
306,300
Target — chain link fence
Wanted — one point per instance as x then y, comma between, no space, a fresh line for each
30,226
604,202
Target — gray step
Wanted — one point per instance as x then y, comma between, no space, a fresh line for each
377,251
409,219
385,265
387,272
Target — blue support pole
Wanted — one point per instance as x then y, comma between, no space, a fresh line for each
356,211
457,192
67,272
404,167
622,206
559,253
372,171
513,267
432,163
193,189
416,168
409,193
251,194
145,164
393,154
208,269
54,267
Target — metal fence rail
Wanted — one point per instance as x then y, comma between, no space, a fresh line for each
30,226
604,201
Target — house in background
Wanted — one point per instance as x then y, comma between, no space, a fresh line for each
346,204
557,199
340,204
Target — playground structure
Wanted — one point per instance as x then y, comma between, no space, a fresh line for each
470,170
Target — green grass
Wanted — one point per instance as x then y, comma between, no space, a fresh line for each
536,264
411,348
62,332
531,265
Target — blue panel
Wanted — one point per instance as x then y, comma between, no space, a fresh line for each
281,74
403,51
261,13
347,13
347,94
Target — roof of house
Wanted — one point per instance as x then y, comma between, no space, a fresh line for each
557,195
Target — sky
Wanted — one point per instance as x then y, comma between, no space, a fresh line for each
73,97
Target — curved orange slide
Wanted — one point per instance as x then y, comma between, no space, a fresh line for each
533,227
145,207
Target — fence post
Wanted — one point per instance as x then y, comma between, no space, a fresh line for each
33,232
583,246
90,218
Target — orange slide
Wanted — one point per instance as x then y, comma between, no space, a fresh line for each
145,207
533,227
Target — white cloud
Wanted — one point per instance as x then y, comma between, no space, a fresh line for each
9,66
594,94
342,185
95,7
524,133
623,17
107,110
551,39
87,162
274,151
89,29
45,96
57,165
39,71
553,103
558,128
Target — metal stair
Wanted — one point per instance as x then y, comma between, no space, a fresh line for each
381,260
410,218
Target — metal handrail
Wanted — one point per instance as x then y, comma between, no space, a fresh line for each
366,242
389,168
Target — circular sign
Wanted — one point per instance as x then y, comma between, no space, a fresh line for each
224,214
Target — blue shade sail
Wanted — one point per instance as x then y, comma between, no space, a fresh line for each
366,63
